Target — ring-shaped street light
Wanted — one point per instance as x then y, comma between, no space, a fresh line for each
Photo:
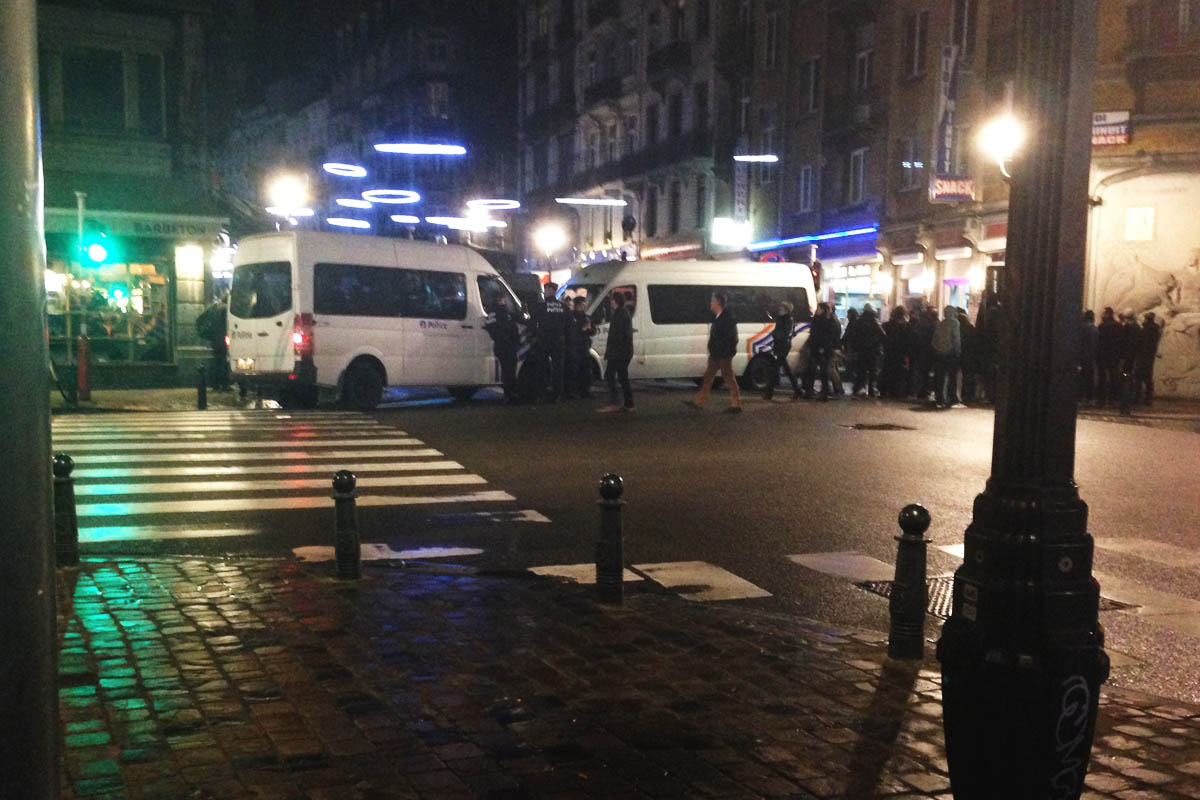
344,170
347,222
395,196
494,204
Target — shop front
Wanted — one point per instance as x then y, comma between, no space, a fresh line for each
853,274
135,288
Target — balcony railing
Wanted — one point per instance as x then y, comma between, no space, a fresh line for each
601,11
604,89
676,56
662,154
1164,28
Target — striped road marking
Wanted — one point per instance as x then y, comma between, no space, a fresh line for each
133,458
151,533
289,433
383,552
289,469
189,487
277,503
852,566
704,582
235,445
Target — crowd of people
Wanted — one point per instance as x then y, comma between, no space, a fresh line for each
948,360
1116,358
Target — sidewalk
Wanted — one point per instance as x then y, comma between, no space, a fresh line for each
210,678
176,399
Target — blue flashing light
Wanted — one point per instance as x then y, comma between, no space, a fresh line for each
771,244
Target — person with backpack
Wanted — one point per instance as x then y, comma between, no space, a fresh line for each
947,350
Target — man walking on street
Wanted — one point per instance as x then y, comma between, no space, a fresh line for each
947,348
781,346
618,352
823,338
722,344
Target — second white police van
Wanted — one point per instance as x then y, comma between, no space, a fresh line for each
355,314
669,302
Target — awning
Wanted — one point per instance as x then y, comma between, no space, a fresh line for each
953,253
907,258
910,271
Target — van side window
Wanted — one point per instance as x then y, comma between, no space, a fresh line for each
680,305
433,295
491,288
603,312
354,290
261,290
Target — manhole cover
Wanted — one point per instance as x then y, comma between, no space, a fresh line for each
941,595
879,426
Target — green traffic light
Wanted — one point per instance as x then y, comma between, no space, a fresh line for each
97,252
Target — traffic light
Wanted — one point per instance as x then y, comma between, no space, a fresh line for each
98,246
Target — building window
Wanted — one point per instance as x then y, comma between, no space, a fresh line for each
439,99
856,190
964,27
678,27
673,208
864,57
916,31
651,221
701,202
744,106
652,124
633,52
700,108
767,171
593,68
804,201
543,20
631,135
675,116
912,164
959,161
1186,17
810,86
566,154
611,142
771,40
593,151
703,18
150,94
94,90
530,93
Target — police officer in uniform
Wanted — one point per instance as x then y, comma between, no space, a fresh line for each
506,340
550,322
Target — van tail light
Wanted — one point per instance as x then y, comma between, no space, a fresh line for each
302,335
227,340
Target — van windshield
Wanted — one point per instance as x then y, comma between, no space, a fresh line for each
261,290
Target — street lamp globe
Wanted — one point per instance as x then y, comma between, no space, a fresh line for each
287,190
550,238
1001,139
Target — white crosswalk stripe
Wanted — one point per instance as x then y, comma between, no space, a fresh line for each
196,475
696,580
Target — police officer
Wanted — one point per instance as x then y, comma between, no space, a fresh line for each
506,340
550,322
582,377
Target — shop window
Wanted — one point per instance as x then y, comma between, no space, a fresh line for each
125,308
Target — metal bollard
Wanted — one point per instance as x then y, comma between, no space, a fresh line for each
346,541
910,595
610,552
66,526
201,390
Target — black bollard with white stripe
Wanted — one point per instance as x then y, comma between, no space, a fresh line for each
610,551
66,525
201,390
346,540
910,594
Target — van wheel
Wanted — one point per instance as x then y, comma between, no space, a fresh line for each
463,393
758,373
362,387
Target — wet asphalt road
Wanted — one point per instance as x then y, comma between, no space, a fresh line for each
744,492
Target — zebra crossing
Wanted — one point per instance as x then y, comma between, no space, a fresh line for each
210,474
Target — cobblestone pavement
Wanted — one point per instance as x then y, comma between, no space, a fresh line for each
190,678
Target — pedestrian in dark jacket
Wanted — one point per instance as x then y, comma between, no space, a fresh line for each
947,349
865,338
1144,358
211,326
925,324
550,322
506,341
970,357
781,347
1130,333
618,352
823,338
987,347
1108,358
897,354
581,379
722,345
1089,337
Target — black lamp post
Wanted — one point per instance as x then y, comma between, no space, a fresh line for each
1021,654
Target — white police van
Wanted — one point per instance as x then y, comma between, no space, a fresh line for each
355,314
669,302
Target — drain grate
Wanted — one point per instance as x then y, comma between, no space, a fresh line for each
941,595
878,426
